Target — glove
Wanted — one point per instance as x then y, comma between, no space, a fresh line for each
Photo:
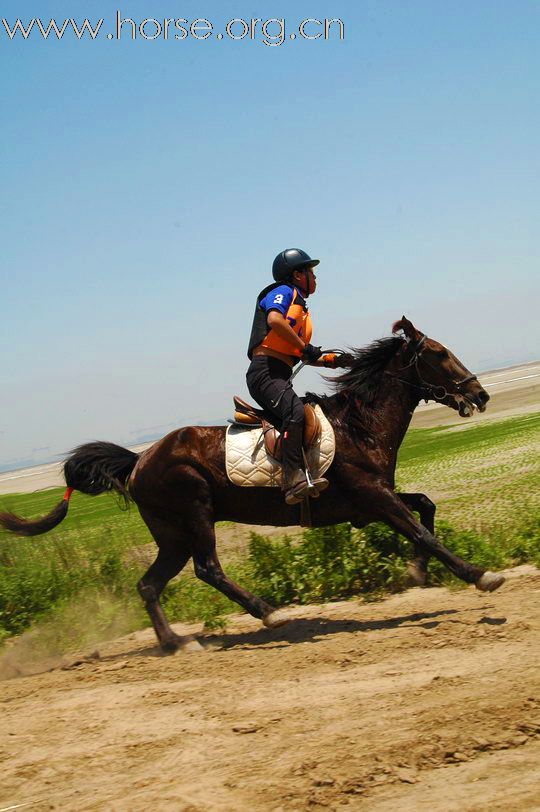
311,353
333,360
329,360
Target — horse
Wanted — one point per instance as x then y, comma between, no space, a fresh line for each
181,489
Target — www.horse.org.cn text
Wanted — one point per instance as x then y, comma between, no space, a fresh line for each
271,32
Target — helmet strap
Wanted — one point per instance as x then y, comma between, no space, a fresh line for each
305,286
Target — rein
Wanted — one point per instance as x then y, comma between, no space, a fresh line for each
295,373
425,386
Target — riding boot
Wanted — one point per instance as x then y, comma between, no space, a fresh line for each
295,485
295,482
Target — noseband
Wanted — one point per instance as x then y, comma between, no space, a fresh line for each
437,392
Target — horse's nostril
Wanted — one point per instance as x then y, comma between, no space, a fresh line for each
483,396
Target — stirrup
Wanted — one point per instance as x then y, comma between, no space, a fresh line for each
317,487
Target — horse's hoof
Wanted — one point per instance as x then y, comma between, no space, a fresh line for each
416,575
192,646
173,644
275,619
490,581
170,646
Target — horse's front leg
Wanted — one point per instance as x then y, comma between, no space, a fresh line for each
421,504
389,508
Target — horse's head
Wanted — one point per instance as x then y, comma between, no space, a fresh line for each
441,376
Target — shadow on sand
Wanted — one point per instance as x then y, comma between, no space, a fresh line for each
311,630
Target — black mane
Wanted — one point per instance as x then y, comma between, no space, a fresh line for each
357,387
364,376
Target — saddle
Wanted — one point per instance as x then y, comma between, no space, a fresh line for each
249,416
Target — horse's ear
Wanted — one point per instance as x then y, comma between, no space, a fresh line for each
408,328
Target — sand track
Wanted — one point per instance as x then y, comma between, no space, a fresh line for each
426,700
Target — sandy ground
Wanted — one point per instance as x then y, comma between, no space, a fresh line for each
428,700
514,390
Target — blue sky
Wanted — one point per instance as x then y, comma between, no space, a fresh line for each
147,186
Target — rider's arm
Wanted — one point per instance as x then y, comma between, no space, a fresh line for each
277,322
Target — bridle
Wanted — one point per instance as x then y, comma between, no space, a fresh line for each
437,392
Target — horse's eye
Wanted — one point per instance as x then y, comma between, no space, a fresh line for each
441,353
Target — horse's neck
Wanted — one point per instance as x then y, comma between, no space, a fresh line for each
395,404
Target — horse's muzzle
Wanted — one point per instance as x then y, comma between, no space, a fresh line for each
481,400
473,400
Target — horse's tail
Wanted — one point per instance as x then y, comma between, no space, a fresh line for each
92,468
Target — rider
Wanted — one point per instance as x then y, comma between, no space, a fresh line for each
280,337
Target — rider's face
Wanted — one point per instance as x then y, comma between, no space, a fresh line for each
306,279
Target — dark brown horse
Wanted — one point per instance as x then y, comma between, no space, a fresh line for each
181,488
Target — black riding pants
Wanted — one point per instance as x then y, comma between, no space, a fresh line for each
267,378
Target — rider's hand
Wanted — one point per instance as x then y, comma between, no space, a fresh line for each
329,360
310,354
334,360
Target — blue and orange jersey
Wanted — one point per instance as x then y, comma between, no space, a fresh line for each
288,301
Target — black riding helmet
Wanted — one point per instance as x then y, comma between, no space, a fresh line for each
290,260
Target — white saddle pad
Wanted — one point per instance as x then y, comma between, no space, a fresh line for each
249,466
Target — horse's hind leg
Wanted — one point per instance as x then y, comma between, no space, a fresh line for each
172,557
209,570
421,504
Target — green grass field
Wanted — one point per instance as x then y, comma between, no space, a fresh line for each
483,478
